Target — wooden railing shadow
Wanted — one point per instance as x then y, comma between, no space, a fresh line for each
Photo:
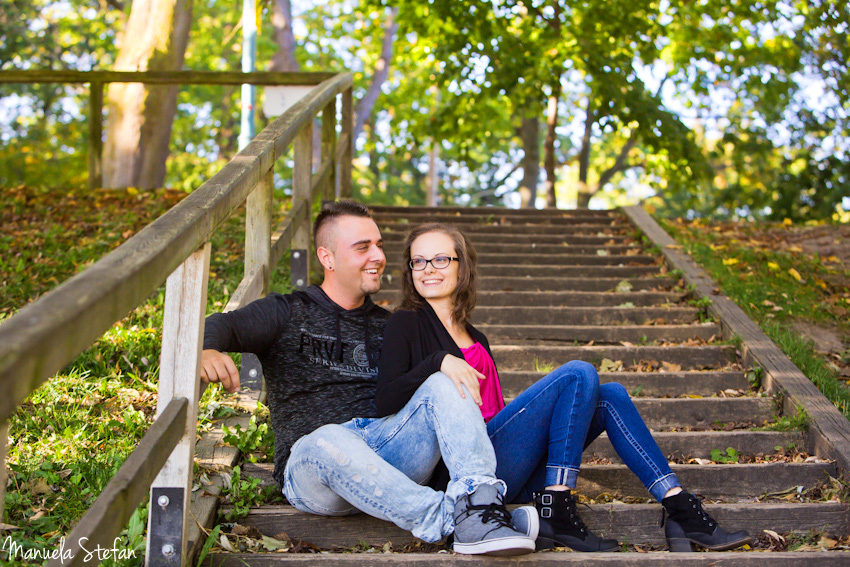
49,333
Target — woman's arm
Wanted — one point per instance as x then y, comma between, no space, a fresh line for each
398,379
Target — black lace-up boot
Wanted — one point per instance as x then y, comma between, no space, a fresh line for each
561,526
687,525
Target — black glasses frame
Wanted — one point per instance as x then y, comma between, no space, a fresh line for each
431,261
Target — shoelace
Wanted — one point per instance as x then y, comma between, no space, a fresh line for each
696,504
493,511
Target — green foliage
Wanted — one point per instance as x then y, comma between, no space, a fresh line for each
258,438
728,456
798,422
243,493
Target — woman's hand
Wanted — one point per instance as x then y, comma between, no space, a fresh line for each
462,374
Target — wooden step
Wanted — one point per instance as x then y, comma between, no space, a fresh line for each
394,248
478,211
635,523
505,237
700,444
497,270
505,220
657,384
559,298
525,283
718,481
565,258
477,231
675,413
597,333
541,559
528,315
689,358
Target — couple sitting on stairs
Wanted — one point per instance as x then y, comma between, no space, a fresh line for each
382,413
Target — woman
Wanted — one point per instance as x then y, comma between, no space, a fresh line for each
540,436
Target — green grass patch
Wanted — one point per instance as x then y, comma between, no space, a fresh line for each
775,287
73,433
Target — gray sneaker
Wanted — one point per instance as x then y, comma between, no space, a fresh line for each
483,525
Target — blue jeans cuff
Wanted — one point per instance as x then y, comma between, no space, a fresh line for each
660,487
561,476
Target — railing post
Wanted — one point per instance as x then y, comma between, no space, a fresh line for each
4,438
258,246
302,181
179,377
95,134
329,147
347,156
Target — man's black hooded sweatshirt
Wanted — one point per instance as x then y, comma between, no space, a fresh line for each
320,361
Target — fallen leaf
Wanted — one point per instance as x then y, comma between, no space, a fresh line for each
773,266
795,274
601,252
608,365
670,367
730,261
623,287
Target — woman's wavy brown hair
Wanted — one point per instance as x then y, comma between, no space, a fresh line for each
466,292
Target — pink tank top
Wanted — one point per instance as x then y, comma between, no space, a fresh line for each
491,390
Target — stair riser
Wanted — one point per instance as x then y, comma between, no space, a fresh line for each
395,248
493,270
637,524
657,384
615,559
498,220
557,299
396,237
479,230
486,211
689,358
700,444
560,284
394,258
720,482
511,334
582,315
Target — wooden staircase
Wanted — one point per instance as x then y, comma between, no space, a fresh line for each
552,290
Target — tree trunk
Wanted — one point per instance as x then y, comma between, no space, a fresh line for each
284,60
382,71
140,118
585,192
549,160
433,177
530,136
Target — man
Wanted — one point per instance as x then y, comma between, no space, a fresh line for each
319,349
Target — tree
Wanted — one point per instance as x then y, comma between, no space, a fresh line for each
140,116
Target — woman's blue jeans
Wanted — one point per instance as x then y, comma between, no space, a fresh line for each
540,436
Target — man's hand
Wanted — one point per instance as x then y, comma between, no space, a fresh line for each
462,374
219,367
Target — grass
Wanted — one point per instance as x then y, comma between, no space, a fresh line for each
776,287
72,434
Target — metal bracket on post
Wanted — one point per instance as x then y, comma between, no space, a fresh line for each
298,268
251,371
166,527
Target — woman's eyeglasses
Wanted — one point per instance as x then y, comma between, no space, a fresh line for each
438,262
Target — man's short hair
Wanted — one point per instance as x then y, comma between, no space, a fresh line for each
333,210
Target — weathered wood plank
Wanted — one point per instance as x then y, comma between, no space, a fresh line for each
635,523
164,77
526,357
829,430
95,134
105,519
302,183
533,315
559,298
258,229
282,236
48,333
4,441
179,376
347,142
329,148
485,211
542,559
252,287
658,384
598,333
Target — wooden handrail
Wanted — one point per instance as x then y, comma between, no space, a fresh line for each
47,334
163,77
103,522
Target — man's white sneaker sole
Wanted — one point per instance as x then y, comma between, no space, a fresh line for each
504,547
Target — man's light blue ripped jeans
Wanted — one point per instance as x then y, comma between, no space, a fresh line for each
377,465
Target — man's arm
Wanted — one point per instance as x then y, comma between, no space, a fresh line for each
253,328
